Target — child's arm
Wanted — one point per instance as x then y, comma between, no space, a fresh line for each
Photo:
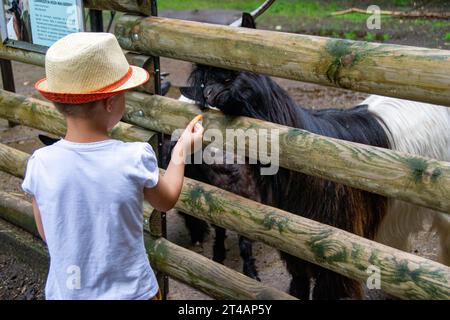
165,194
37,219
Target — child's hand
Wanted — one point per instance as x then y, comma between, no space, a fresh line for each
191,139
166,193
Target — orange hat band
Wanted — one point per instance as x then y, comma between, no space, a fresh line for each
79,98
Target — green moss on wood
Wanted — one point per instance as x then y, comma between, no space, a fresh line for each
318,245
375,258
116,131
436,174
204,201
404,274
272,220
293,133
343,55
357,255
213,202
193,198
418,168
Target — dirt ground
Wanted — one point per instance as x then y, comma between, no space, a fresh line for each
18,281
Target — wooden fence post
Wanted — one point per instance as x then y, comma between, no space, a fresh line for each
157,221
8,80
96,17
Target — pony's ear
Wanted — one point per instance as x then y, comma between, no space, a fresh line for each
188,92
248,21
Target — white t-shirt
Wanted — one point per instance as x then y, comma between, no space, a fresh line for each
90,196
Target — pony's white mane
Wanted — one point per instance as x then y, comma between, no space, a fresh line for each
414,127
422,129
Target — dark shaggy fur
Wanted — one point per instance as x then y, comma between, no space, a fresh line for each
235,178
360,212
239,179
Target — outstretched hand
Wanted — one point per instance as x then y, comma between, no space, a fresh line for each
165,194
191,139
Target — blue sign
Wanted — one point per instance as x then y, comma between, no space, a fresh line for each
53,19
35,25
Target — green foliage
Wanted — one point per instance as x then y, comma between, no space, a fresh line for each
447,36
335,35
421,22
435,24
353,17
350,35
440,24
402,3
370,36
287,8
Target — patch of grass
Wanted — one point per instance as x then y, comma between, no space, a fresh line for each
354,17
288,8
435,24
350,35
440,24
358,17
421,22
447,36
322,32
281,8
403,3
370,36
335,35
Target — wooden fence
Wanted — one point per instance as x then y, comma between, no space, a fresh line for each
406,72
393,70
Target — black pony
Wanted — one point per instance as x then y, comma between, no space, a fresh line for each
357,211
239,179
360,212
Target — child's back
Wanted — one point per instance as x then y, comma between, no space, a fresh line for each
90,197
88,190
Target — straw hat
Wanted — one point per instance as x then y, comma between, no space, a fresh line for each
87,66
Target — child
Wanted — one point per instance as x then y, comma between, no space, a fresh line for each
87,188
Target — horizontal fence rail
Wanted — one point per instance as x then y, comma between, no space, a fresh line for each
412,73
386,172
377,170
38,59
42,115
15,54
404,275
392,70
399,71
191,268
